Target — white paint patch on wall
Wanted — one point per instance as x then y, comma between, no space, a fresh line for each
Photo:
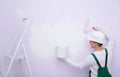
45,38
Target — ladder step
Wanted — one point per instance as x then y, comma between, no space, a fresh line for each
17,58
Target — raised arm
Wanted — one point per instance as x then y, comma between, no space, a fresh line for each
110,42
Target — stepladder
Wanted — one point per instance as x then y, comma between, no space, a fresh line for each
17,59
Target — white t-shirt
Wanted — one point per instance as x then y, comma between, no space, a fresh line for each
90,61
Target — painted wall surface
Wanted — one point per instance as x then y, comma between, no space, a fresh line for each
57,23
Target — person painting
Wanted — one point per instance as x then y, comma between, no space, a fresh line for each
99,61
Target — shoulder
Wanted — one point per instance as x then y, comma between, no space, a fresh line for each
90,59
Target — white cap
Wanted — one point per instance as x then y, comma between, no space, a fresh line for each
97,36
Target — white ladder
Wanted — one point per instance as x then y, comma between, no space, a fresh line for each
5,73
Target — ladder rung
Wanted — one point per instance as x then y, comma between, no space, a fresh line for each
17,58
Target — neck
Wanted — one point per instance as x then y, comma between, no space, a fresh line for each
99,48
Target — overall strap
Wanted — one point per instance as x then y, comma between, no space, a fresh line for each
96,60
90,73
106,51
106,58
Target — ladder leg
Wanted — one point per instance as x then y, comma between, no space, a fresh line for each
12,60
26,57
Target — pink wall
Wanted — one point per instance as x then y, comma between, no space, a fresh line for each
50,12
